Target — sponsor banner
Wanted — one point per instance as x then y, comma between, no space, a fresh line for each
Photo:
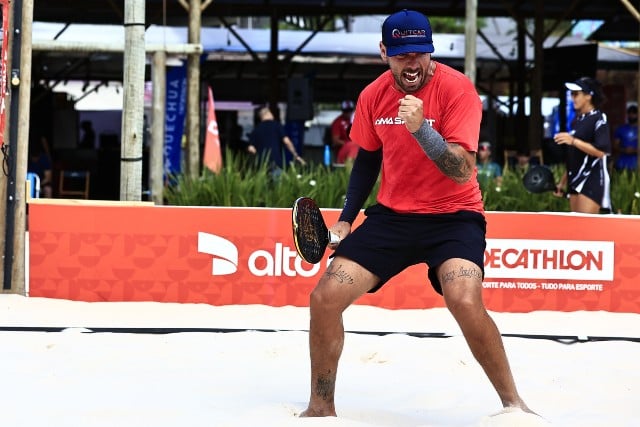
176,99
224,256
548,259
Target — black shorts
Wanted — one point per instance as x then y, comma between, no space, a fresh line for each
388,242
592,189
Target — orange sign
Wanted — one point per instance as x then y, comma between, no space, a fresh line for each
223,256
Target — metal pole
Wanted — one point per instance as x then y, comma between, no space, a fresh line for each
133,108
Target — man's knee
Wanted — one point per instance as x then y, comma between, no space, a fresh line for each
319,297
328,297
463,297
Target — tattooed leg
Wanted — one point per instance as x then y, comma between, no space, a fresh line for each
343,282
339,274
461,282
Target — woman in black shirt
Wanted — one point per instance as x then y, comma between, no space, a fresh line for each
588,145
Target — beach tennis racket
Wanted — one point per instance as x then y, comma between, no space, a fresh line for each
539,179
310,233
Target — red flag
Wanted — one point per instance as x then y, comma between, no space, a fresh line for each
212,152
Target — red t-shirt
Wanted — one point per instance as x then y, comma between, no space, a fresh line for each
411,182
339,127
348,151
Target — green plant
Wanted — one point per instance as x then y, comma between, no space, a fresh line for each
244,182
625,192
513,197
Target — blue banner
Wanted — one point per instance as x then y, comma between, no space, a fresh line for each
175,114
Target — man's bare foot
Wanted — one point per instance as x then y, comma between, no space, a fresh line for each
307,413
519,407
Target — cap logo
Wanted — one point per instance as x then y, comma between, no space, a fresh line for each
406,32
401,34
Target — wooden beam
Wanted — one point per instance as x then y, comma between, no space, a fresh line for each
632,10
90,47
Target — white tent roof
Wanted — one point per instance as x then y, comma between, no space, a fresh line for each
321,46
322,43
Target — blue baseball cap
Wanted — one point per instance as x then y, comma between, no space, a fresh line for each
407,31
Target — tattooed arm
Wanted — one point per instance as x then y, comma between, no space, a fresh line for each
456,162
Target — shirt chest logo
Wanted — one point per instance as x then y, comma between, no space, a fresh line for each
396,121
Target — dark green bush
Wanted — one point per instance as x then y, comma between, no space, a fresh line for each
244,182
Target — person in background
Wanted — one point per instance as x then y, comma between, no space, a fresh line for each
340,127
419,122
267,140
625,142
586,178
348,152
237,141
40,163
489,172
88,139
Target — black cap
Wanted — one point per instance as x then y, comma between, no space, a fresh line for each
589,86
584,84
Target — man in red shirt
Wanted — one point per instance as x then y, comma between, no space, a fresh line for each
419,123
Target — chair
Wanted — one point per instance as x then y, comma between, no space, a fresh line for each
34,185
510,159
74,183
536,157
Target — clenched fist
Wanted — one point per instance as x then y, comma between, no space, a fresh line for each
411,112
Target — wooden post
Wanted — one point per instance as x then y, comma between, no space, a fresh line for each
133,108
274,92
193,93
535,128
21,152
470,37
156,153
520,128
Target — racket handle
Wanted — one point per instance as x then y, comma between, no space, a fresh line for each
333,238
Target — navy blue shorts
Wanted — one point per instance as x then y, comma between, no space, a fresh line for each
388,242
592,188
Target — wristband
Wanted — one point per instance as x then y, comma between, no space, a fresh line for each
432,143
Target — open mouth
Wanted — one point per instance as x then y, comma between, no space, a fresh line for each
411,78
